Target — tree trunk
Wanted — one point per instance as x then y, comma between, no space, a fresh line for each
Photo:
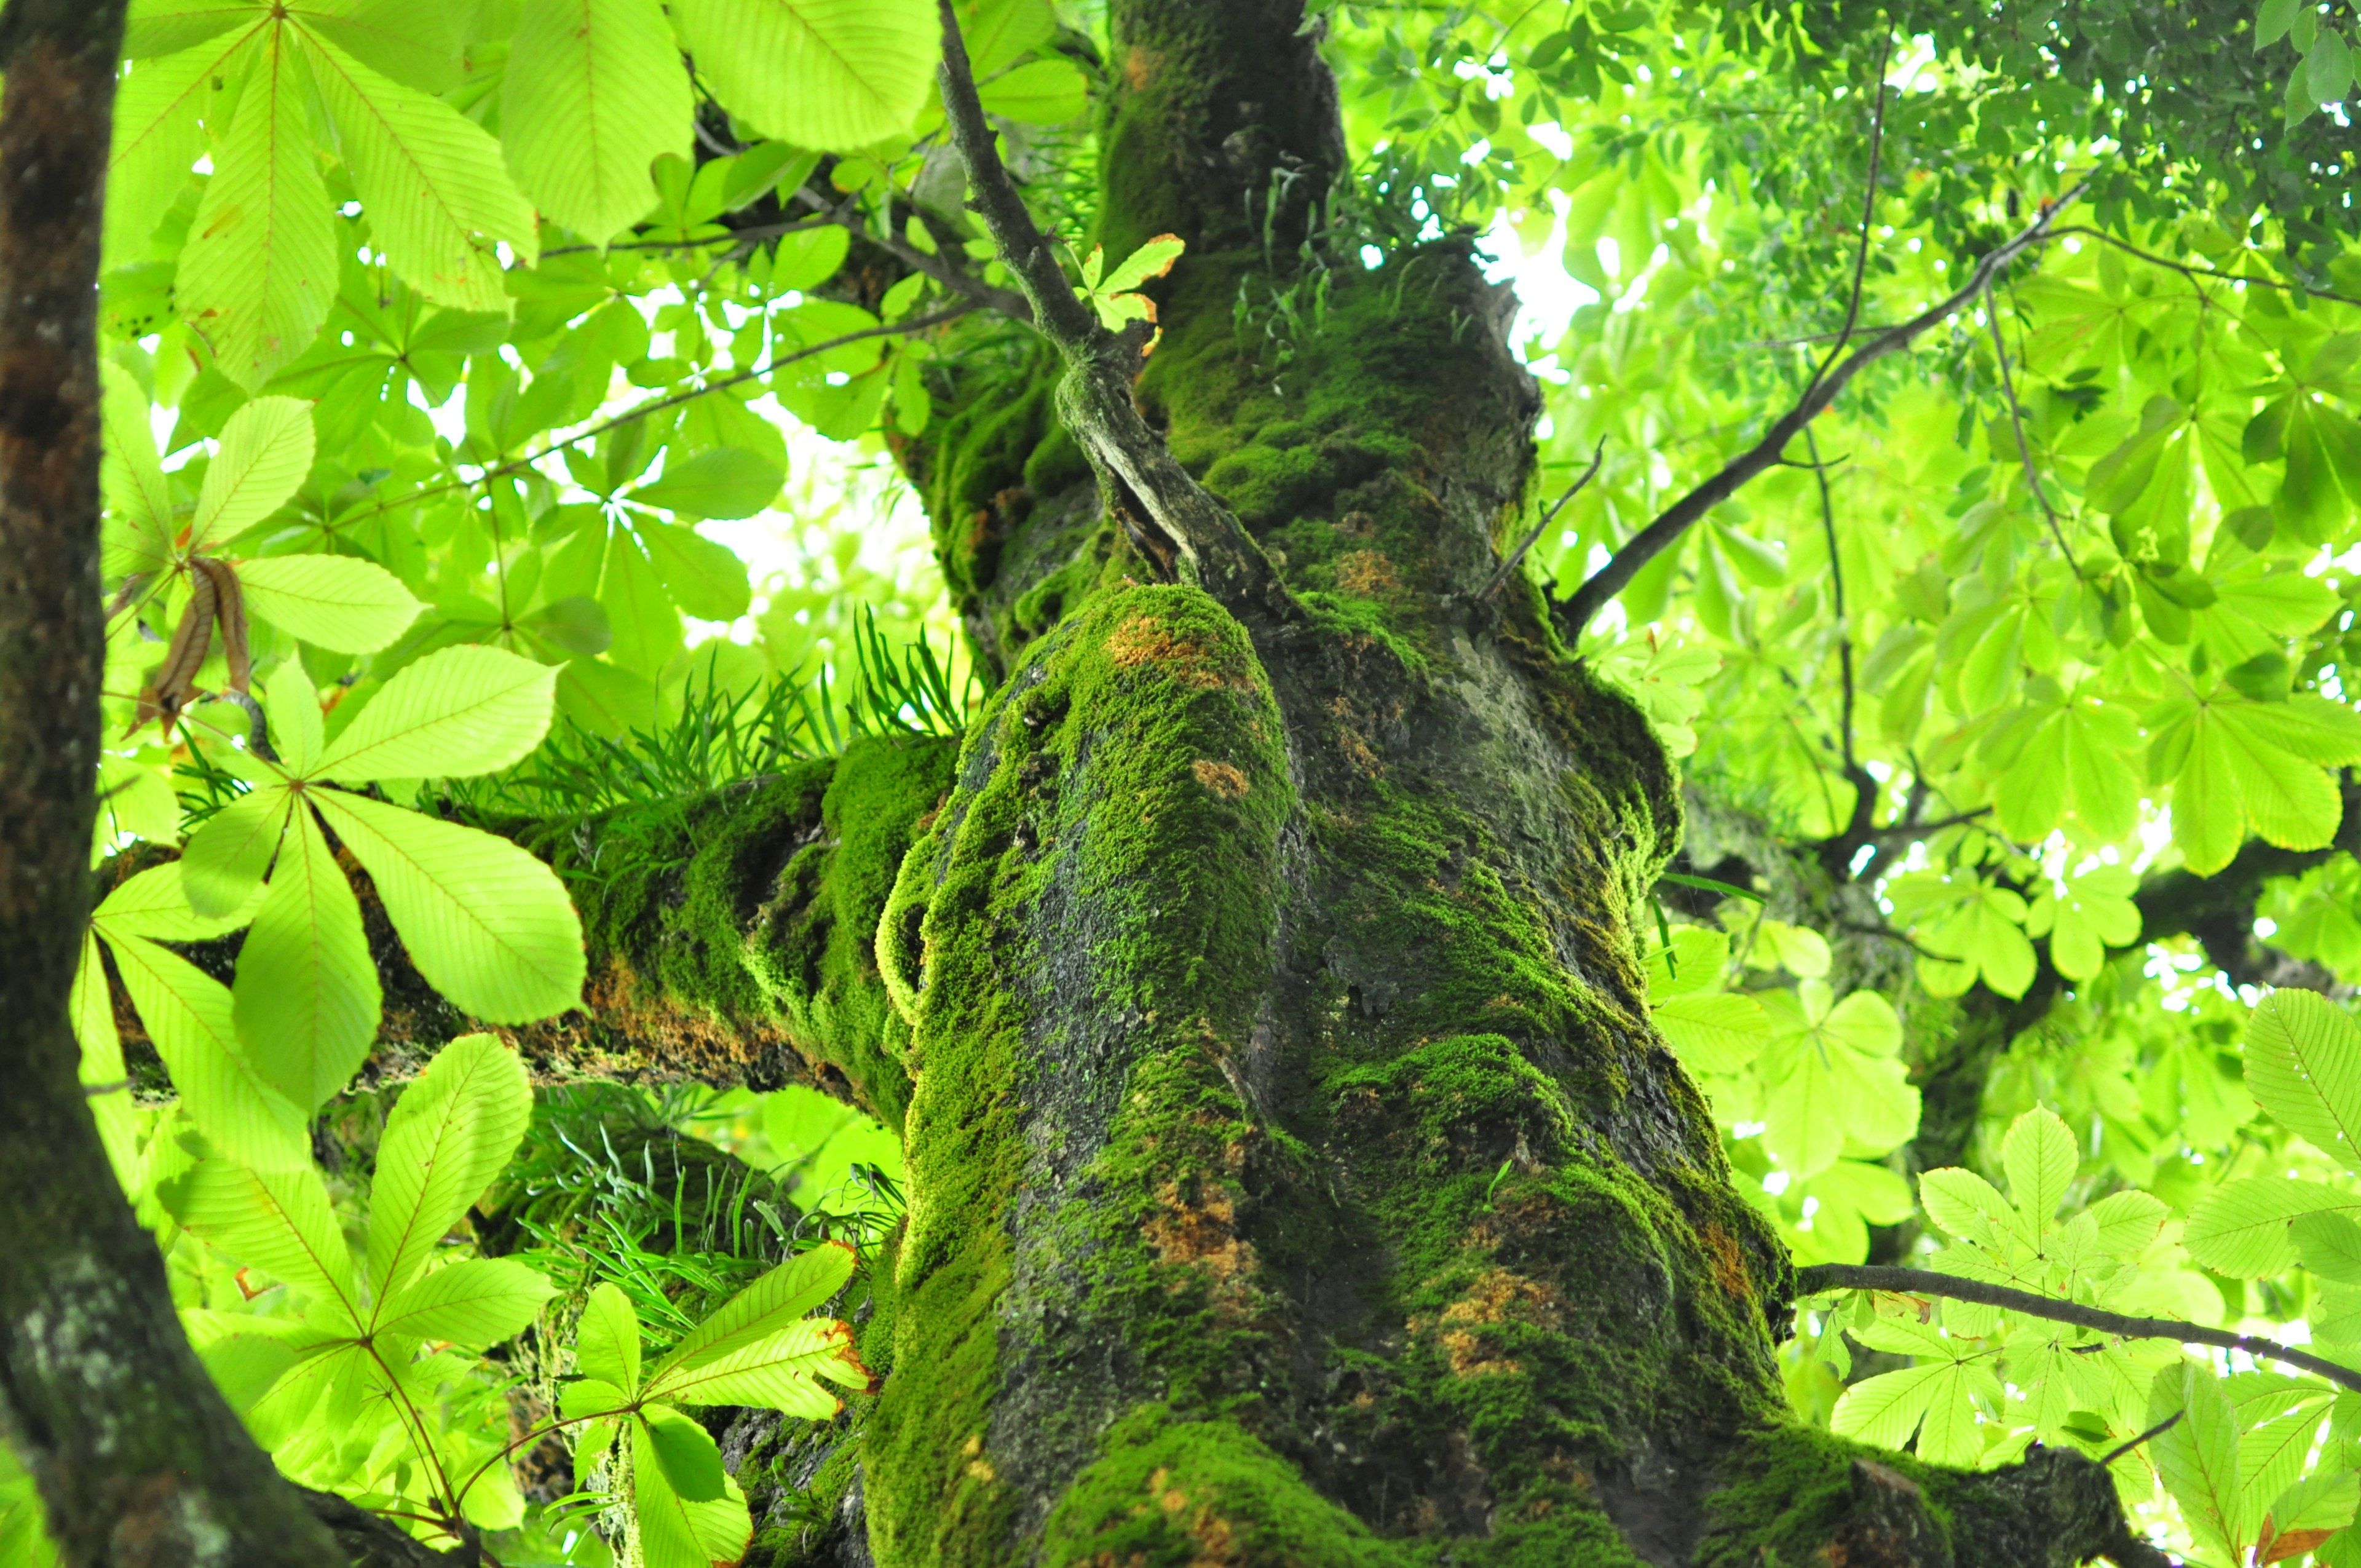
137,1459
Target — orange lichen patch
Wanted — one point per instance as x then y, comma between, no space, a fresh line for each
1728,1263
1366,572
1497,1298
1223,779
1137,67
1192,661
1203,1234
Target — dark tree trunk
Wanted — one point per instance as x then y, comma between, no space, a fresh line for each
138,1458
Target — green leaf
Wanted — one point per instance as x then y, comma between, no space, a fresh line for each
1044,93
489,926
1886,1408
279,1223
2074,759
595,93
224,861
675,1532
2303,1065
476,1302
259,270
831,74
155,902
131,479
2094,911
727,482
606,1341
266,451
1714,1031
189,1018
469,709
1973,1209
306,993
1831,1077
157,138
297,726
760,1311
431,181
998,31
778,1373
2129,1222
2040,1157
2198,1455
685,1451
450,1133
646,625
2271,22
704,578
2241,1228
2329,67
330,601
2330,1245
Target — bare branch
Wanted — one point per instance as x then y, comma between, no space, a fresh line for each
1575,613
2193,272
1138,474
1868,217
1516,557
1864,787
1823,1277
2023,446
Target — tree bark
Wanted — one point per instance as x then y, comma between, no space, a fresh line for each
137,1459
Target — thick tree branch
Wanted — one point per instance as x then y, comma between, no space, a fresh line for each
1823,1277
1574,614
138,1458
1136,470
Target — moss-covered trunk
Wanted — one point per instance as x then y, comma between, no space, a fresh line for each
1295,1174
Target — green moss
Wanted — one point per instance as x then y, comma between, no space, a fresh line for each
737,920
1119,803
1172,1491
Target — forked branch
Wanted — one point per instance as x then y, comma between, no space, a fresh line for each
1138,472
1575,613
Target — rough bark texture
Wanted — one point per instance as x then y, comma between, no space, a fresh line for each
137,1459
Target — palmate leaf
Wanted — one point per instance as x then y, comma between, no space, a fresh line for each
155,138
2255,765
1831,1074
280,1224
2093,914
487,923
2073,761
2303,1065
831,74
2198,1455
595,93
306,993
469,709
431,181
153,28
259,270
337,602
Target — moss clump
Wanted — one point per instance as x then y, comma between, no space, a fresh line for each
1172,1491
731,923
1094,909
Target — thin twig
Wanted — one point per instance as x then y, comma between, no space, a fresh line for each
1905,829
2024,445
1836,579
1823,1277
2190,269
1868,218
657,405
735,236
1575,613
1516,557
845,215
2158,1429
